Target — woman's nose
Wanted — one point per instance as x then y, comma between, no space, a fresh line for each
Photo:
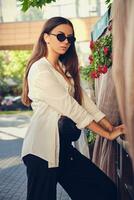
66,41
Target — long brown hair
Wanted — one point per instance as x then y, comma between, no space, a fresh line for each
69,59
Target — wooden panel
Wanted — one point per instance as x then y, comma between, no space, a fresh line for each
24,34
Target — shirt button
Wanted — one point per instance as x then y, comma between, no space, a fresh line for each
71,158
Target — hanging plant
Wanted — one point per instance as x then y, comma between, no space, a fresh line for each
108,3
100,58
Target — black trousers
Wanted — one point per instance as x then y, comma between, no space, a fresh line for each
81,179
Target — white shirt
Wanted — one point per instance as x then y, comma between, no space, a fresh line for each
52,97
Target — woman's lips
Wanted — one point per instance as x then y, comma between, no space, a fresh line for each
63,47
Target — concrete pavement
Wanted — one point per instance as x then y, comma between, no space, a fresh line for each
12,170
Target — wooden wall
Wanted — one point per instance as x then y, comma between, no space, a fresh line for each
22,35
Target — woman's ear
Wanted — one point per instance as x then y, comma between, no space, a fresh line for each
46,38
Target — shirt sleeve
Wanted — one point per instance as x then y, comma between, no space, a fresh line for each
47,88
91,107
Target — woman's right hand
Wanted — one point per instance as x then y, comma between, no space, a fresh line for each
110,135
117,131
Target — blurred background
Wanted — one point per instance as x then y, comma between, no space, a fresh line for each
19,31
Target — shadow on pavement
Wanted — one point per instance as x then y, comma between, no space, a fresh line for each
12,171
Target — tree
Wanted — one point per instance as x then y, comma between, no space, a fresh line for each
26,4
1,67
3,85
12,66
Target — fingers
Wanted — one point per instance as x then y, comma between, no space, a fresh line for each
121,128
118,131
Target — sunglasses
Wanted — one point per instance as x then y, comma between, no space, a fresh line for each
61,37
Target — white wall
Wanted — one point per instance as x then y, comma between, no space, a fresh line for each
8,10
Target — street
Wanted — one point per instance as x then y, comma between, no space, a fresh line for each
12,170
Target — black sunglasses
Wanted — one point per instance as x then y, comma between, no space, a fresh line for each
61,37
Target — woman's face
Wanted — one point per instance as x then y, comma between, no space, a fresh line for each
61,31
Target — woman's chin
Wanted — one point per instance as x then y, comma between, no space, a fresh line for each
62,52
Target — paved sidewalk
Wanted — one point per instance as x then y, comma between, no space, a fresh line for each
12,170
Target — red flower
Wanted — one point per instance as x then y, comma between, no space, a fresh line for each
104,69
92,44
95,74
91,59
110,27
106,50
100,69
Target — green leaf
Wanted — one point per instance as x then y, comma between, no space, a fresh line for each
91,136
108,3
26,4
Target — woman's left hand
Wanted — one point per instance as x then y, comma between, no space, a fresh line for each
106,124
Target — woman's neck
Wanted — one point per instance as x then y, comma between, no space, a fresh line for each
53,59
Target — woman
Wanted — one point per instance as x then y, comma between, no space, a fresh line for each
52,87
